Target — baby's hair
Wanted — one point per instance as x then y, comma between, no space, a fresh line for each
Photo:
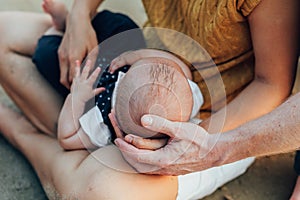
152,86
185,61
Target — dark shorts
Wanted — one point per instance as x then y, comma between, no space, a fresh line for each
106,24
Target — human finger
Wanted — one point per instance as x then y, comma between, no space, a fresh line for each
93,52
156,158
115,125
116,64
144,143
98,90
77,68
74,55
64,70
86,70
161,125
130,155
93,77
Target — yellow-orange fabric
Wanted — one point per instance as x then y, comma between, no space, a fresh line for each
220,27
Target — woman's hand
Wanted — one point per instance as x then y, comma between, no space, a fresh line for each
82,87
138,142
78,41
189,149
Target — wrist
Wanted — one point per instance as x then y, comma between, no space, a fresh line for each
235,145
79,14
86,8
76,100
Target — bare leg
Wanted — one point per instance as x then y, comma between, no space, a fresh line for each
18,76
77,174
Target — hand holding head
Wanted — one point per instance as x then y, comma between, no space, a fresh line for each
189,149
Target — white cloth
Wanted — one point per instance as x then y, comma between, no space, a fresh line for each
93,125
98,132
200,184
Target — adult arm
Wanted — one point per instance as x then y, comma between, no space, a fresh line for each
275,37
79,38
276,132
274,33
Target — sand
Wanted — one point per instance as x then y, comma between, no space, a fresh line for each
269,178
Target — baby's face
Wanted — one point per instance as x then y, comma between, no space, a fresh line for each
152,86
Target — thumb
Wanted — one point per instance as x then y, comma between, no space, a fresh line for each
160,124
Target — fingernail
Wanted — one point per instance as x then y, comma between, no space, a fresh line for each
117,142
147,121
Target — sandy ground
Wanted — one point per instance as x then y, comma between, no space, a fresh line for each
269,178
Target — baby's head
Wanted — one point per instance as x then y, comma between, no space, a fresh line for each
152,86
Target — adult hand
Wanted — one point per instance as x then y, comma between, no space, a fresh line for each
138,142
78,41
189,149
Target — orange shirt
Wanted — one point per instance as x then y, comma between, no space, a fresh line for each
220,27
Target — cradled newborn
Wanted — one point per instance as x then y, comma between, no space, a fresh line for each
152,86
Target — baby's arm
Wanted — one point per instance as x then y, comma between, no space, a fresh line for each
130,57
70,134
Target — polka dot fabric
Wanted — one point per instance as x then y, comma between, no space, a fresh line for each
108,81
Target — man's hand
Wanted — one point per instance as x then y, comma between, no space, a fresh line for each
79,40
190,149
138,142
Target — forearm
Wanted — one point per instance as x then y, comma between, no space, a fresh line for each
86,8
77,141
276,132
68,122
257,99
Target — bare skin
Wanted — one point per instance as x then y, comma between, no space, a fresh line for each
59,170
78,25
15,64
274,77
71,135
47,121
